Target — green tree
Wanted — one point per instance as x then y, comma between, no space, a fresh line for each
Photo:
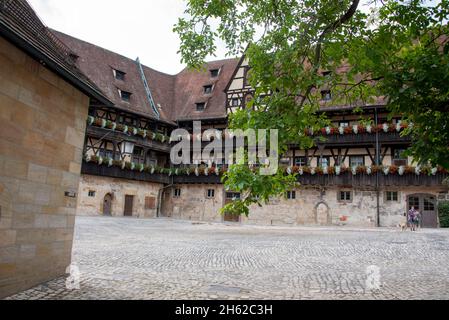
395,49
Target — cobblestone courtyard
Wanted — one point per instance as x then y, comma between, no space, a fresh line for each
161,259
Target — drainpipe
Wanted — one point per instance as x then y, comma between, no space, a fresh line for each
159,198
376,116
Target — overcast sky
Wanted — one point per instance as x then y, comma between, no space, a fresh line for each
133,28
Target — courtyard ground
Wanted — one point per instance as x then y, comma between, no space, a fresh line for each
121,258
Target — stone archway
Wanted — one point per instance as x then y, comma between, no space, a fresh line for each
322,214
107,205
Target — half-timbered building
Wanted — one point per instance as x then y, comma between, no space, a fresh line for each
357,175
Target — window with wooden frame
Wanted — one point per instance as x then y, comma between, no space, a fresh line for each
324,161
119,75
208,89
391,196
343,124
300,161
177,193
356,161
214,73
210,193
344,196
291,195
200,106
125,95
235,102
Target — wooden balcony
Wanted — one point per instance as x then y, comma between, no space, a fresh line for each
117,172
347,179
362,139
101,133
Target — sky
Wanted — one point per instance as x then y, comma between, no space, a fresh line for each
133,28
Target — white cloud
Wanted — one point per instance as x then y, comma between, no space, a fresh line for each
132,27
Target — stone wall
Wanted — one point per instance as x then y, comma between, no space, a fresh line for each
193,203
99,187
312,206
42,125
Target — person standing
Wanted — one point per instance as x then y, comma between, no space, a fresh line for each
411,218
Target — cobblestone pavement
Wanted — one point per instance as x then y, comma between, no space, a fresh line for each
162,259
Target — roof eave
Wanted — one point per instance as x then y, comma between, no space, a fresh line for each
56,67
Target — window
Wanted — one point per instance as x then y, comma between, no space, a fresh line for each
207,89
210,193
344,124
291,195
150,203
200,106
398,157
119,75
326,73
235,102
324,162
356,161
91,193
326,95
345,196
177,193
300,161
214,73
413,202
126,96
232,196
392,195
428,204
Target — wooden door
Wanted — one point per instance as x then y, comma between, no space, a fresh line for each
107,205
228,217
426,205
129,202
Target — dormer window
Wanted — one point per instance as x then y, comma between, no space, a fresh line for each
214,73
126,96
200,106
119,75
208,89
326,95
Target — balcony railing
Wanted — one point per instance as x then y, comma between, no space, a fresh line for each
104,133
387,176
347,179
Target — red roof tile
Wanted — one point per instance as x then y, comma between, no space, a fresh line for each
174,95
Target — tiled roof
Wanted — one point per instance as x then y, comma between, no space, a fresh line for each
20,25
174,95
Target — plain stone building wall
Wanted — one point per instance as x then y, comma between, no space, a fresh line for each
42,125
312,206
193,204
118,188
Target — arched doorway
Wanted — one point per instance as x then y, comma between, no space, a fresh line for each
322,214
107,205
426,205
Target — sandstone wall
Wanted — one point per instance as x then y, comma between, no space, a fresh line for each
193,204
42,125
118,189
312,206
